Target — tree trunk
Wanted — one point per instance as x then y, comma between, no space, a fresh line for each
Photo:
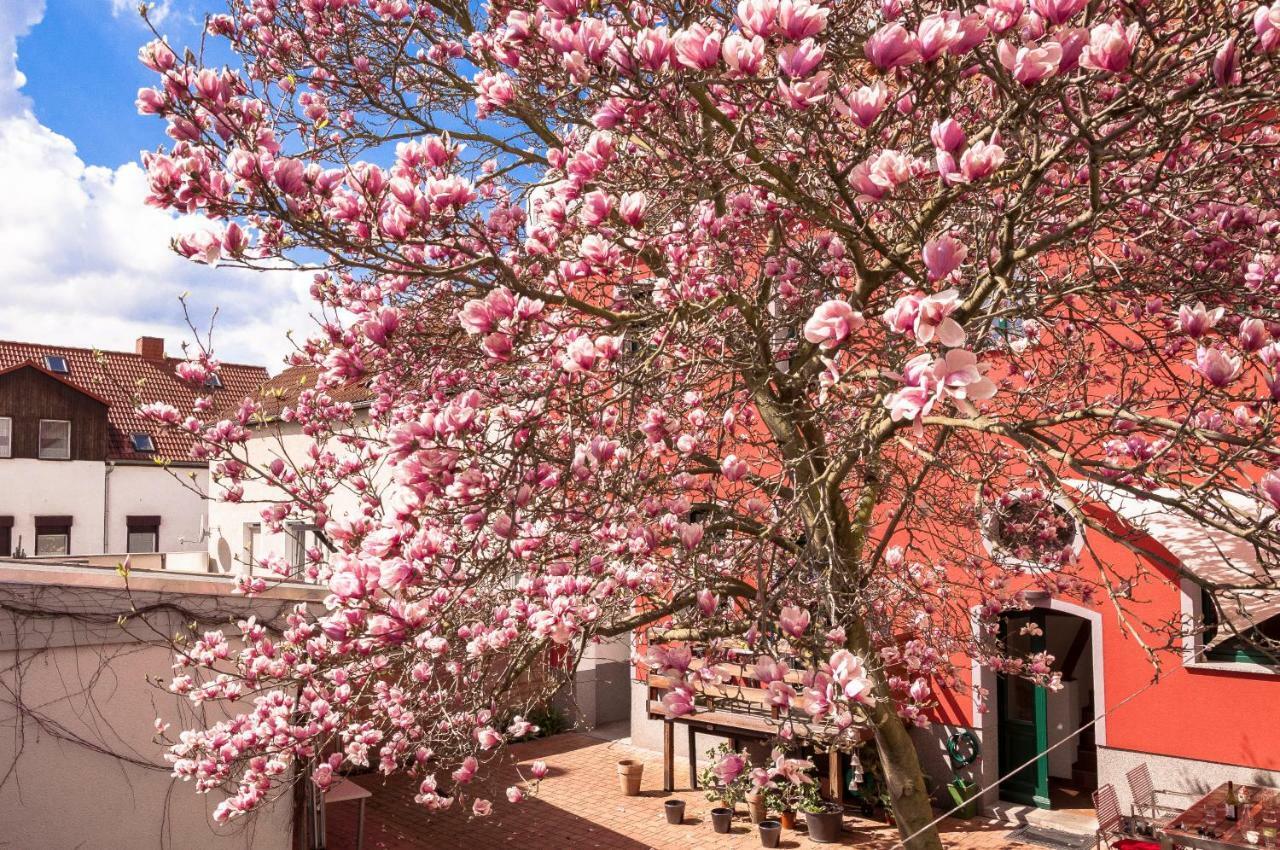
907,791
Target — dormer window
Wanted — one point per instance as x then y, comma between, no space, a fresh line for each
57,364
142,443
1032,528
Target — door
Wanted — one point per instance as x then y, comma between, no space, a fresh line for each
1022,715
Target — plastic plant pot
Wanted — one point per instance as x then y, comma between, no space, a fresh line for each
674,810
824,826
770,832
721,819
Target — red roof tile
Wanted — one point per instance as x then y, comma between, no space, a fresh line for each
124,380
283,390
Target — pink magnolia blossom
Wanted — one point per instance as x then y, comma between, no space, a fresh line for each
1266,26
798,61
1218,367
1196,321
947,135
981,160
933,319
743,56
757,17
697,47
959,375
1269,488
832,323
801,19
1058,12
1110,46
892,47
863,104
793,620
1030,65
881,174
1226,64
678,701
943,255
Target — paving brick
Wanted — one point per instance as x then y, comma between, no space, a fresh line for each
579,806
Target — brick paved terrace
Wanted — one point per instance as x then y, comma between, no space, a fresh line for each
580,806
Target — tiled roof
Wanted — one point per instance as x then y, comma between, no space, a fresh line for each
283,390
124,380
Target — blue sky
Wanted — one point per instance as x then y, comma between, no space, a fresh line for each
83,261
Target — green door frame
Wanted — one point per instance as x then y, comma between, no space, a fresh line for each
1022,716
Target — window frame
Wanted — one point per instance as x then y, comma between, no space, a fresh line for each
6,426
53,527
140,525
1245,654
49,361
40,449
141,435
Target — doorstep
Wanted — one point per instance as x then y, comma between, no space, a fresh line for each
1063,820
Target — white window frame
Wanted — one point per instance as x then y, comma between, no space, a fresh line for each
6,436
40,450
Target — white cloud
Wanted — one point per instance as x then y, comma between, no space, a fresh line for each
84,261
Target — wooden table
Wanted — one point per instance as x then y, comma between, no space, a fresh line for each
1253,799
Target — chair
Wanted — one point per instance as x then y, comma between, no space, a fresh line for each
316,801
1111,827
1146,797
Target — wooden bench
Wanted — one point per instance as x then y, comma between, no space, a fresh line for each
740,710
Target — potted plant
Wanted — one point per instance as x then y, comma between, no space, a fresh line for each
629,775
726,778
789,786
824,819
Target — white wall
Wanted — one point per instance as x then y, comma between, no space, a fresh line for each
79,763
31,488
173,494
228,537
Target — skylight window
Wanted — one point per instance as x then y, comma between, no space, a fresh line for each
142,442
213,382
56,363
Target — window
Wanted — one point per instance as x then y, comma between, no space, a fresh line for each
1032,527
213,382
252,544
55,439
53,535
296,535
1252,646
142,442
6,436
6,536
56,363
144,534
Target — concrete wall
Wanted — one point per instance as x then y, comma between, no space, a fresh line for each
174,494
31,488
1175,774
601,687
72,688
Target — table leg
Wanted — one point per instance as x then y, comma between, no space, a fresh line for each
693,758
668,756
360,827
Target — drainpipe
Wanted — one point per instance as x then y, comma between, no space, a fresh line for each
106,505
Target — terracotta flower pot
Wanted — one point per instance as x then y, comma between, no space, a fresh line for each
756,807
788,819
721,819
674,810
824,826
629,775
770,832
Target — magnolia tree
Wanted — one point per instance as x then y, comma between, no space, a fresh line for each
723,326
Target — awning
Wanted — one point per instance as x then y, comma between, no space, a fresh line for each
1211,554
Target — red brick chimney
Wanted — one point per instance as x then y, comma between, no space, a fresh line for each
150,347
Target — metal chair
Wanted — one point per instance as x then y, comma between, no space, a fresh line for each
1111,826
1146,797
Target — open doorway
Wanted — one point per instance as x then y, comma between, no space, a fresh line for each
1051,724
